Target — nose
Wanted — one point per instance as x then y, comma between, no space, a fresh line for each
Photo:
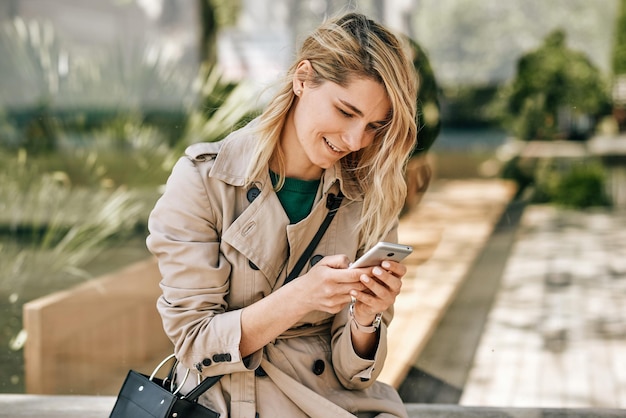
355,137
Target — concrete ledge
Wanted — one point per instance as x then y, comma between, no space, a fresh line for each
448,229
456,411
51,406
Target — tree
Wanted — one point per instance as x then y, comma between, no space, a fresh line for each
619,69
619,48
428,117
478,41
554,88
215,14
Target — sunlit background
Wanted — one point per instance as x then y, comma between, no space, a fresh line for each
98,98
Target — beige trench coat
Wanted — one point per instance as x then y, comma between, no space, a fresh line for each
220,247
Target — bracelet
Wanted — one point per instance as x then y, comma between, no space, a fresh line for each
364,328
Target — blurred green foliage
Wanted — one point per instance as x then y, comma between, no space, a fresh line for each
619,46
576,184
471,106
428,108
580,185
583,186
554,88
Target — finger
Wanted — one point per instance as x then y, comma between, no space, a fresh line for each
392,282
370,304
383,284
375,288
397,269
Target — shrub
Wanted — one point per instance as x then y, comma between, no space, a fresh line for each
556,93
582,186
576,184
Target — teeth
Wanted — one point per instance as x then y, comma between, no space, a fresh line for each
334,148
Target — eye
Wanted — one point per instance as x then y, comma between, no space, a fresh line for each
344,113
375,127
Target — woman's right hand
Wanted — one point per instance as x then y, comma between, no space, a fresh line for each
326,286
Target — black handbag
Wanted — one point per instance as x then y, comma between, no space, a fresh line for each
143,396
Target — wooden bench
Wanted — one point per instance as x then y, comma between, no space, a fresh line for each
83,340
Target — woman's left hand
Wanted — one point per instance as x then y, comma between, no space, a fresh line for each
383,284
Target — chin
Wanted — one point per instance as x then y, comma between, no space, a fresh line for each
326,164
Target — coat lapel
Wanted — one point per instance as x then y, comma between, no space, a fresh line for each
259,233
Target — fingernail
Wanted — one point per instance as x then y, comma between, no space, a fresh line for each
364,278
386,264
377,271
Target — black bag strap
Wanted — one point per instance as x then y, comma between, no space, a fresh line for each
332,203
202,387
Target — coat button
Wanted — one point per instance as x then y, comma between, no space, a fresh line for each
315,259
218,358
318,367
206,362
252,265
253,193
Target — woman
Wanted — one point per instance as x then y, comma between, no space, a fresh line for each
237,214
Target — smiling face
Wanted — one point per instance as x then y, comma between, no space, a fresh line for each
328,122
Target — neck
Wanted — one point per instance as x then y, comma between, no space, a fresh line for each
295,162
293,171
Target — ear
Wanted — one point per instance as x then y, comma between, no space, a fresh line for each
303,70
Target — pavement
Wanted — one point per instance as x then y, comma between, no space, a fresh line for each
556,334
517,306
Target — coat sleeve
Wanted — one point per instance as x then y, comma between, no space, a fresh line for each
353,371
184,236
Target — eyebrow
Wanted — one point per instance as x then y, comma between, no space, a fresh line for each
352,107
358,111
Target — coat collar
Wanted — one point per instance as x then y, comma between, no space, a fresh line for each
235,155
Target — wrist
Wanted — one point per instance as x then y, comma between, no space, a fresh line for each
367,327
292,298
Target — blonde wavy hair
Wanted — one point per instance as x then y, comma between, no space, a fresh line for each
340,50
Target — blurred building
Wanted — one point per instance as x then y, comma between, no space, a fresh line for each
94,24
468,41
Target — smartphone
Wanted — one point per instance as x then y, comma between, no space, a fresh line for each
381,252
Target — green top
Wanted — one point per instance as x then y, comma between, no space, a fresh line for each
296,196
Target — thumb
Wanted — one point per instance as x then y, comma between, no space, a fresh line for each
338,261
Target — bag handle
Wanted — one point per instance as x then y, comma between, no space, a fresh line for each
202,387
195,393
160,365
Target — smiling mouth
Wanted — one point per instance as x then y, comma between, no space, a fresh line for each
332,147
